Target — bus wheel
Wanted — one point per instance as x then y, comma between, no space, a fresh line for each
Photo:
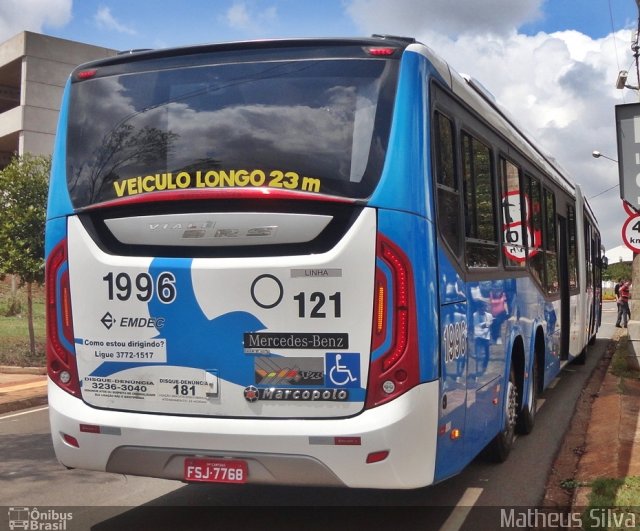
527,417
581,358
500,446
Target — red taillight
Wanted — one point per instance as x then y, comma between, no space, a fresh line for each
381,52
61,360
395,370
87,74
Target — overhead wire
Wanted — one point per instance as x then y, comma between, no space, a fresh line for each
613,31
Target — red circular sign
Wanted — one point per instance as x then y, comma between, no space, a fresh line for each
631,233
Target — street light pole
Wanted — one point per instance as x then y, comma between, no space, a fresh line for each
596,154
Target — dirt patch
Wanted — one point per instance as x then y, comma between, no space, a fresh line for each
561,482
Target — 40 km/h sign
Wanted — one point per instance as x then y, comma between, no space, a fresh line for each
631,233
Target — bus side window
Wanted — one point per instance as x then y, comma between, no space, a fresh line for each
447,182
515,216
536,247
550,243
481,242
573,250
587,252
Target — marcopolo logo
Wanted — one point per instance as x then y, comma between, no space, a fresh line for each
38,519
274,394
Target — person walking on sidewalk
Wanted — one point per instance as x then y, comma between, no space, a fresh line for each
623,304
616,288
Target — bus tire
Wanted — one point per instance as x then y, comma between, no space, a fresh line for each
501,445
581,358
527,416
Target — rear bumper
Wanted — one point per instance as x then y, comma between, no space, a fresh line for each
278,451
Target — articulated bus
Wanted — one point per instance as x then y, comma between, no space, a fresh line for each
314,262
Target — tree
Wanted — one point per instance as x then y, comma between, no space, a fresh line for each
23,199
616,271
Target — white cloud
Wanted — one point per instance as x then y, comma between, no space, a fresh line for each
105,20
412,17
559,86
238,16
241,16
32,15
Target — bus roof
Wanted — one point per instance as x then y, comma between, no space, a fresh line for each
129,56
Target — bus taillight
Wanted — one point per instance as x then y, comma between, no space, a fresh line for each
395,369
61,361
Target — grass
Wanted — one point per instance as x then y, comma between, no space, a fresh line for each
614,504
14,328
619,365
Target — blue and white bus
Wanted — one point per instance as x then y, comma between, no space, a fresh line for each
314,262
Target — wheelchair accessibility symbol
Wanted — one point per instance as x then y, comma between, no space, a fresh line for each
343,369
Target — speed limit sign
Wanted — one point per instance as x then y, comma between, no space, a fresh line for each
631,233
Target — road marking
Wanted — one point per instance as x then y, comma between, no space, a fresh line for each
539,403
462,509
553,384
24,413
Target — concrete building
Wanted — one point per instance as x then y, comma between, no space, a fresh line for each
619,254
33,72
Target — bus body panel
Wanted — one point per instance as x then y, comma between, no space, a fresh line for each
295,328
309,450
59,201
476,350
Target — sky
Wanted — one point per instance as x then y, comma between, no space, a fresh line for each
552,63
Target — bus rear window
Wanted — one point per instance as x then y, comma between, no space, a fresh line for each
316,125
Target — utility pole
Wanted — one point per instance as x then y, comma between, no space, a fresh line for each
634,305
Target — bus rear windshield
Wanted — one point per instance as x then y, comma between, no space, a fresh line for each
317,125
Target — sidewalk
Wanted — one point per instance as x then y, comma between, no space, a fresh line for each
612,446
22,387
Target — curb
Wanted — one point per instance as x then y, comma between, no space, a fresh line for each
582,493
13,399
23,403
10,369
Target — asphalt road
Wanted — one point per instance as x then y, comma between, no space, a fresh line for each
31,477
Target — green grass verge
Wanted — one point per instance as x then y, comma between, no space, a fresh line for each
614,504
14,327
619,364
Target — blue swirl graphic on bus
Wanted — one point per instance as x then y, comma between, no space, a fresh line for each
194,340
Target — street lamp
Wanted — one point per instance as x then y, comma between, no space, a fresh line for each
597,155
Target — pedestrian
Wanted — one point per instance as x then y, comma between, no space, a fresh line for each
623,305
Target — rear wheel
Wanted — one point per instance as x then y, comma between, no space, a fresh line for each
582,357
527,417
500,447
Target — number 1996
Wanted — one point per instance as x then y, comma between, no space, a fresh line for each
123,286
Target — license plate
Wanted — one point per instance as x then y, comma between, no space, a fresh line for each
215,470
